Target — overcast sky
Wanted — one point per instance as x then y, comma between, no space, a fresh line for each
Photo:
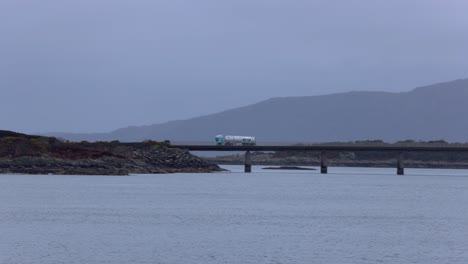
98,65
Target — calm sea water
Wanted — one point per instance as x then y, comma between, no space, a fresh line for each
352,215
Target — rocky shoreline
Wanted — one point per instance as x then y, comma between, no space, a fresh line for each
25,154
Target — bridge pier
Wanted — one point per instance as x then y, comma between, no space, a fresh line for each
400,165
248,162
323,163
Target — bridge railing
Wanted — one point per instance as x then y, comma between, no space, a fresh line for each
336,144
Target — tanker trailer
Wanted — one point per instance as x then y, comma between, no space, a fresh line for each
229,140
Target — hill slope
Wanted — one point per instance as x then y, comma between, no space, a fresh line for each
432,112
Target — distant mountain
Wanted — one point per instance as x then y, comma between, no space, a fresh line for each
438,111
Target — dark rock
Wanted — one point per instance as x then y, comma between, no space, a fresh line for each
287,168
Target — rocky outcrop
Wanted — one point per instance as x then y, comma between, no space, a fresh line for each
287,168
24,154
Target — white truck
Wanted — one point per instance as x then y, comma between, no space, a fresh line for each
229,140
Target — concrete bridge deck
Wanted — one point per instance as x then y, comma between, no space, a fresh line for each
324,148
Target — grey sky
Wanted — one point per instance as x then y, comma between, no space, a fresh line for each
98,65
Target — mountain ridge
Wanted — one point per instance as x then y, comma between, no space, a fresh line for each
430,112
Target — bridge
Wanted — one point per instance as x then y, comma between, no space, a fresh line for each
399,150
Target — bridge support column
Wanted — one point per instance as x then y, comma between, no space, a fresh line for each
248,162
323,163
400,165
